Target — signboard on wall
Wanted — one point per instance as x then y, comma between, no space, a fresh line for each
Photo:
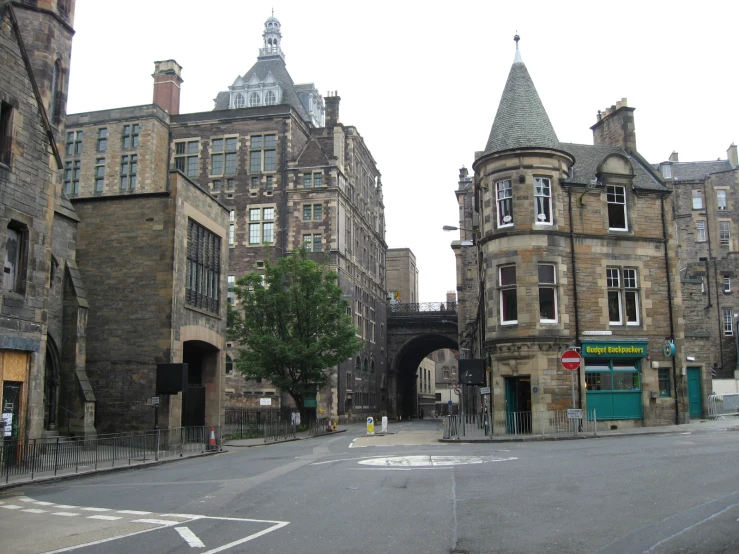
265,401
614,349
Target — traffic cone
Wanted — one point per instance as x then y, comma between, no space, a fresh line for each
212,441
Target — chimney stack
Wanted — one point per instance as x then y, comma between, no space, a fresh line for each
167,84
615,127
332,109
674,157
732,155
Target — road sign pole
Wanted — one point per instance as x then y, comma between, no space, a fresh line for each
574,421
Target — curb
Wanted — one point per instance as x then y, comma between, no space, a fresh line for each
56,478
283,441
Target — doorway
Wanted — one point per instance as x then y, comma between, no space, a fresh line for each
11,410
518,404
695,398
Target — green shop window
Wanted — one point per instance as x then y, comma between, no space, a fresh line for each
614,388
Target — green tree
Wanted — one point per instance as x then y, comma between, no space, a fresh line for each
292,326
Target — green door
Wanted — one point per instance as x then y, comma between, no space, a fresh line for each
695,400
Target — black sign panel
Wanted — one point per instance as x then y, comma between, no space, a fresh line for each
171,378
472,372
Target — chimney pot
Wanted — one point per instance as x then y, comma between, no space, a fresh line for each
167,83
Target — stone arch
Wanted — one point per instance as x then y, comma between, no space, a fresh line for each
615,164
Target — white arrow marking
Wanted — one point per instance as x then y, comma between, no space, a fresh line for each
190,537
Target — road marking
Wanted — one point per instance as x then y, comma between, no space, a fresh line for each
156,521
346,460
40,503
65,514
431,461
133,512
190,537
10,507
64,507
26,499
34,511
105,518
278,525
97,509
185,516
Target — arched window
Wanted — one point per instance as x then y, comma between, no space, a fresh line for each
239,101
229,365
253,99
358,368
270,98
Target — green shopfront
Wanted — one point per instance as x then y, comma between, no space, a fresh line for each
613,377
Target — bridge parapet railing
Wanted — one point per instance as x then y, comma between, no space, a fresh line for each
423,307
722,405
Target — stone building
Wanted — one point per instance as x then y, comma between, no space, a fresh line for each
706,213
426,387
290,174
445,371
402,276
152,249
44,308
575,248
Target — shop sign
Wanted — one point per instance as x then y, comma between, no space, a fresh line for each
614,349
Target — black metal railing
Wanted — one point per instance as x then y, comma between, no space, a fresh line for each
423,307
31,458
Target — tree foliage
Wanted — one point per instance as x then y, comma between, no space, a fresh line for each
292,325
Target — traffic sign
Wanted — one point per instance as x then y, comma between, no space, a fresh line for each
457,391
570,359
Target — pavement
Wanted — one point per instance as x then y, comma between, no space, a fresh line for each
302,435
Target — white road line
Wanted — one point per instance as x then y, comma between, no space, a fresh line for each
64,507
109,539
10,507
156,521
34,511
133,512
279,525
40,503
97,509
65,514
185,516
190,537
105,518
25,499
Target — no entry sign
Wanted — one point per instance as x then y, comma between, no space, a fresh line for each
571,359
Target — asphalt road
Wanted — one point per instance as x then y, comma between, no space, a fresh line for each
404,493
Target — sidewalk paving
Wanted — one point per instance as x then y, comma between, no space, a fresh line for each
715,425
302,435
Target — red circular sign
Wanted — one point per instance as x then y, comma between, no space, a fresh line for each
571,359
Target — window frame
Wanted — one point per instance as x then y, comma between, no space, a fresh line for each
101,145
612,197
548,286
6,133
700,231
696,199
728,322
203,268
99,183
722,201
130,136
263,148
626,287
663,376
18,281
508,292
129,172
261,225
724,233
727,284
504,202
183,161
543,202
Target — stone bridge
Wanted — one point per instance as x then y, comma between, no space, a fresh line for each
413,332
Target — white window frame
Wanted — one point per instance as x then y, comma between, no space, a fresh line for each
231,227
630,279
260,224
613,284
722,202
728,322
254,99
624,283
696,196
612,199
549,286
727,283
504,203
724,233
543,201
700,231
503,289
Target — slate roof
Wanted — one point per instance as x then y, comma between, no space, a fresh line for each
264,66
521,121
696,171
588,157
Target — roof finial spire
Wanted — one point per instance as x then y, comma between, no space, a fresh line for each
517,58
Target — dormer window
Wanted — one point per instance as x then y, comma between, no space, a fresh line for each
667,171
253,99
239,101
270,98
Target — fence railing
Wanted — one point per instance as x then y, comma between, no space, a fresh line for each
245,423
399,308
722,405
321,426
31,458
481,426
279,430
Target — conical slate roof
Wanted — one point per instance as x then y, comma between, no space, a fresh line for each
521,121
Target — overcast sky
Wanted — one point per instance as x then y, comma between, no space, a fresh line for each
422,84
